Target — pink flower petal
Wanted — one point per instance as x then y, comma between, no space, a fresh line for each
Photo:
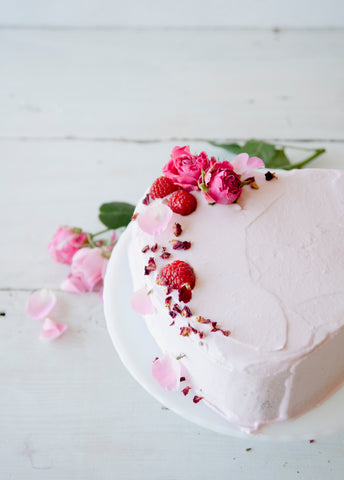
51,329
141,302
88,264
40,303
73,284
242,163
155,218
167,372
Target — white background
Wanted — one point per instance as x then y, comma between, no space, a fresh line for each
178,13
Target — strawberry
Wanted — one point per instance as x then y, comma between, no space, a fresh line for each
182,202
177,274
162,187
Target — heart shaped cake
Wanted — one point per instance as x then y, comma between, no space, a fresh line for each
239,274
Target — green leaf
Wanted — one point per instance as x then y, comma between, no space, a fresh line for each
279,160
116,214
230,147
257,148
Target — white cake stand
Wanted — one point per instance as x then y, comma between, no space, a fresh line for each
137,349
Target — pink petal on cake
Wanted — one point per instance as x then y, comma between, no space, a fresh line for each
166,371
155,218
141,302
73,284
40,303
242,163
52,330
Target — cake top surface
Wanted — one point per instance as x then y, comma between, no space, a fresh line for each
267,267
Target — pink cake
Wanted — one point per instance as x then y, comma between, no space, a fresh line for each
261,339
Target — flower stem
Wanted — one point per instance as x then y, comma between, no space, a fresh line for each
92,235
317,153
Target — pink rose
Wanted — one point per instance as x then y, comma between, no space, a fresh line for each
88,270
223,184
184,169
65,243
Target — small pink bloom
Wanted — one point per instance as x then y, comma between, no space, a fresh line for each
89,265
224,185
184,169
141,302
52,330
243,163
167,371
40,303
155,218
65,243
73,284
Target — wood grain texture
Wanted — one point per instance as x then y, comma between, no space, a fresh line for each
69,409
180,13
147,84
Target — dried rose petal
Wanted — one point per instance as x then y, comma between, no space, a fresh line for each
172,314
154,248
134,217
177,308
165,255
146,200
182,379
172,323
179,245
201,334
186,390
185,331
202,320
194,330
197,399
186,312
270,176
150,267
168,302
226,333
185,294
177,229
145,249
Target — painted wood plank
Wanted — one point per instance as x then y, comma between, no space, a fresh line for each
162,84
69,409
47,184
248,13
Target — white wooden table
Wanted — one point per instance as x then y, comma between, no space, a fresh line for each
89,116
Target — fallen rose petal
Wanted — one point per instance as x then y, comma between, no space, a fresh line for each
140,302
166,371
89,264
73,284
155,218
242,163
52,330
40,303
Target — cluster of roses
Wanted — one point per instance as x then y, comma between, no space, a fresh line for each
221,182
88,258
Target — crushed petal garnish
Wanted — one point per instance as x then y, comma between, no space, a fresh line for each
134,217
177,308
177,229
197,399
270,175
165,255
254,185
186,390
172,323
150,267
186,312
202,320
168,302
182,379
145,249
179,245
185,293
146,200
172,314
185,331
154,248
